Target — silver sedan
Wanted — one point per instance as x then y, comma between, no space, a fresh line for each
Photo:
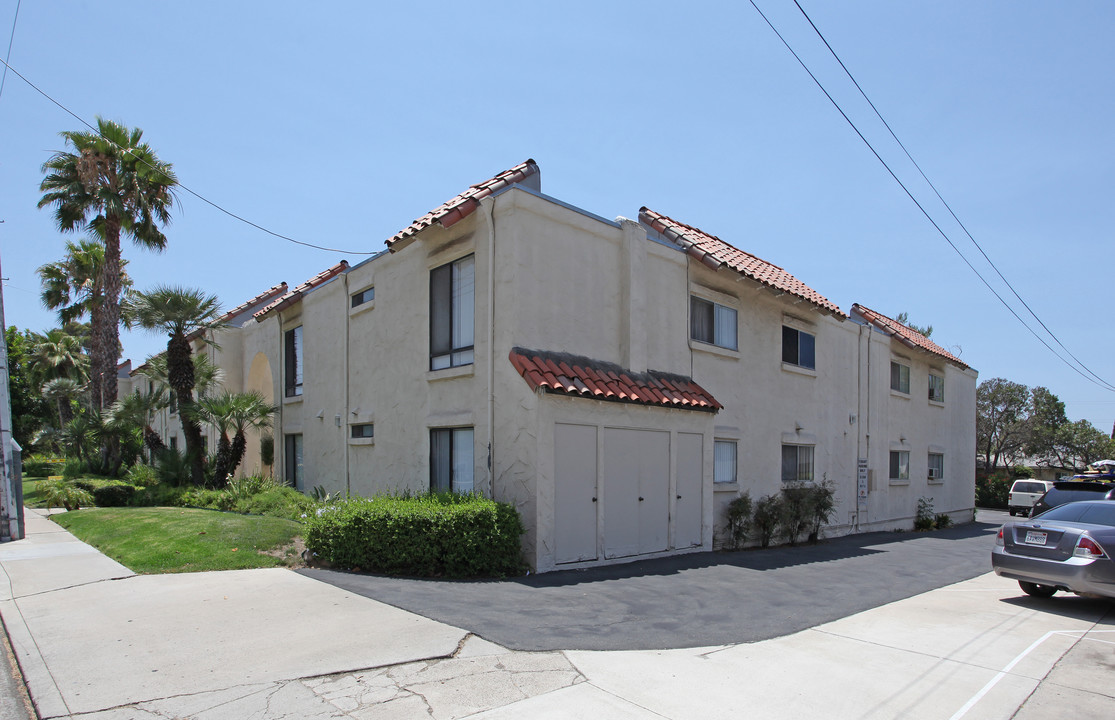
1067,548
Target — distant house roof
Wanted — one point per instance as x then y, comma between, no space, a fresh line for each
716,253
295,295
565,374
463,205
264,297
904,334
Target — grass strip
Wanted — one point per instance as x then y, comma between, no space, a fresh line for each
172,540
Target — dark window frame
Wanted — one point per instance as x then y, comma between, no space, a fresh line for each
362,431
702,323
796,350
363,297
294,343
442,330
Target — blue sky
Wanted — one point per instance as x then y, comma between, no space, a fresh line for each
339,123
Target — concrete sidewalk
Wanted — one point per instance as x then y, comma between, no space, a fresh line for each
99,643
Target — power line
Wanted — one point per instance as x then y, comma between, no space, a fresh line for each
204,199
943,201
8,57
928,217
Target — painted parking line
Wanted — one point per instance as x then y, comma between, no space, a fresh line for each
1010,666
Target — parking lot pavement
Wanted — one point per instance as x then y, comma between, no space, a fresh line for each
692,600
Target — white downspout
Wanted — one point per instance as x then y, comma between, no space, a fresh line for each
344,410
491,345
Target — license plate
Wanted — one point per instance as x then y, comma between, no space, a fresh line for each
1035,538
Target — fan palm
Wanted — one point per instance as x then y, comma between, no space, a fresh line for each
135,410
235,412
111,183
74,285
178,312
58,355
62,391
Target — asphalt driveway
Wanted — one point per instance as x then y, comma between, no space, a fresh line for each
692,600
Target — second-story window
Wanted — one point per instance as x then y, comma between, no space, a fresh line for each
936,388
292,349
900,377
799,348
452,301
712,323
364,296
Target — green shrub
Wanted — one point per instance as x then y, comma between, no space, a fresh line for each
38,466
767,517
72,469
991,492
822,506
82,484
114,495
429,535
172,467
63,493
739,520
142,475
158,496
942,521
796,516
267,450
924,518
280,501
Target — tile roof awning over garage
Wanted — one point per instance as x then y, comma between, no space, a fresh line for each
576,376
905,335
461,206
716,253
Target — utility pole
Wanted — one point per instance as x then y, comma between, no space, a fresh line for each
11,511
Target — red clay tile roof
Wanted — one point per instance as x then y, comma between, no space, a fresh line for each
566,374
716,253
905,335
264,296
295,295
466,203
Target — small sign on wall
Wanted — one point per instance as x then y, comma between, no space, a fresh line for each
861,478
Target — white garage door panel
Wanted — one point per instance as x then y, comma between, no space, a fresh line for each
636,483
574,493
689,502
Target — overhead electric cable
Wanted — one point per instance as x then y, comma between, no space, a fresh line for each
204,199
11,39
943,201
928,217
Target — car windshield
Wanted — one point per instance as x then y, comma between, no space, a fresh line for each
1095,514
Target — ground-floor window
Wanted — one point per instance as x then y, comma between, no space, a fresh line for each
936,466
797,463
899,464
724,461
451,459
293,465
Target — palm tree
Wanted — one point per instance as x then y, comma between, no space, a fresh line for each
179,312
74,285
234,412
137,410
207,376
57,355
110,183
62,391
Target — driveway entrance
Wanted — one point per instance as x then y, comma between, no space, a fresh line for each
693,600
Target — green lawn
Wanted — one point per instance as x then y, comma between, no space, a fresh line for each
172,539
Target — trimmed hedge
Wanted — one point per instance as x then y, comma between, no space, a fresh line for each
113,495
433,535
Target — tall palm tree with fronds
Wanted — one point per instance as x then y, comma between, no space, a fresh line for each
252,411
137,409
178,312
111,183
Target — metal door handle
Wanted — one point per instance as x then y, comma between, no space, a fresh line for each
640,498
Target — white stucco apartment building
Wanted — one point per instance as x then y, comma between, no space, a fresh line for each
618,381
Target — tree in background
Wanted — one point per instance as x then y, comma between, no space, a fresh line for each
109,183
904,318
30,412
1002,409
179,312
